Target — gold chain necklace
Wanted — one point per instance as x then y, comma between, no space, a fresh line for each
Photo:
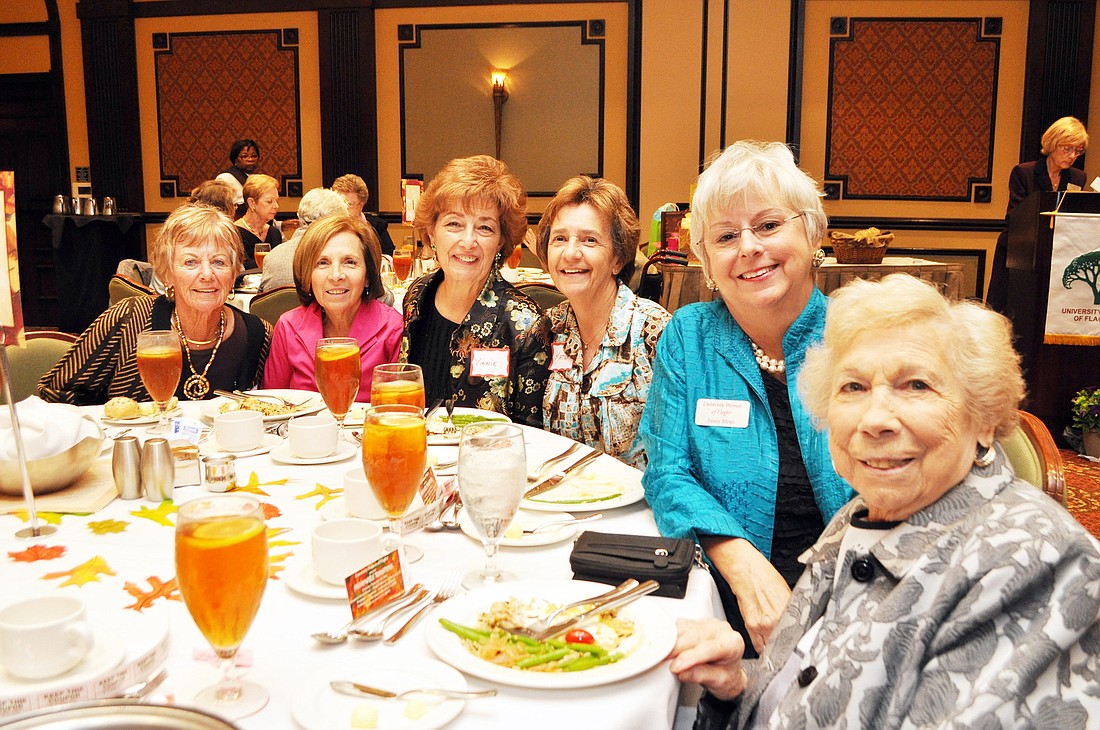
197,386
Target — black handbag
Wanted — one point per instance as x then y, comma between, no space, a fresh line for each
611,558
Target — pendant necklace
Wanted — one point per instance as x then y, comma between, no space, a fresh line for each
197,386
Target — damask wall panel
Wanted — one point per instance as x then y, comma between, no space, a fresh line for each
911,109
215,87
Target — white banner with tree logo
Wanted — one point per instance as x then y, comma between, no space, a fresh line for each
1073,305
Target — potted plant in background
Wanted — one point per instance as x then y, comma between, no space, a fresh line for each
1086,417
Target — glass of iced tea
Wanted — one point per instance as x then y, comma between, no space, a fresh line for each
222,569
395,448
402,263
260,252
160,363
514,257
336,369
397,382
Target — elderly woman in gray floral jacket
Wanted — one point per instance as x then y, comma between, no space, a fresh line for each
949,593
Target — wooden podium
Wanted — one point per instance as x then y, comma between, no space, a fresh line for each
1053,372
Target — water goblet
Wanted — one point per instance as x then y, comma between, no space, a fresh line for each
492,476
160,362
397,382
336,369
221,569
395,448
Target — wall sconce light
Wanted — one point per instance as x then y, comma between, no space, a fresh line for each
500,95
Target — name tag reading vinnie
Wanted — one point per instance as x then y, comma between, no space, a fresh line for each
559,360
490,362
722,413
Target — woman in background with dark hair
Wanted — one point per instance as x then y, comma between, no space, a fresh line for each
244,158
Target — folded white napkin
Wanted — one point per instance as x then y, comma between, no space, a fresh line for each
47,428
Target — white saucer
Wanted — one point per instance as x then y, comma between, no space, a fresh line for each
529,521
303,578
337,509
282,454
210,447
107,653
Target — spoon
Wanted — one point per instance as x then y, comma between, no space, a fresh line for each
362,690
558,524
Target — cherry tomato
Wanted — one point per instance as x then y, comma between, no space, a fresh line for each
579,636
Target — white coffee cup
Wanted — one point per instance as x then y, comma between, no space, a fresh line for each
341,547
239,430
313,437
44,637
359,498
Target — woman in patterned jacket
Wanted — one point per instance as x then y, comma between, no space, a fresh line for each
477,338
605,338
949,593
198,255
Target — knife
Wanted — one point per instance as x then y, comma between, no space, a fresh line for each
553,480
621,600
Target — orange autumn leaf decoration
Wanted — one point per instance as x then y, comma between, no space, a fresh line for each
169,591
37,552
87,572
271,511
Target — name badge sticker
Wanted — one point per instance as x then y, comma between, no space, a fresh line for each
722,413
490,362
559,360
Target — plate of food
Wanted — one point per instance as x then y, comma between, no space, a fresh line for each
632,639
437,424
305,402
124,411
605,484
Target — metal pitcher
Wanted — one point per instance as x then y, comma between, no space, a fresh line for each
59,205
108,206
89,206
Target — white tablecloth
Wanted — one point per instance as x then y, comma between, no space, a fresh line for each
133,542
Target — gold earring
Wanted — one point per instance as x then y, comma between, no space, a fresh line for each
982,460
818,258
710,284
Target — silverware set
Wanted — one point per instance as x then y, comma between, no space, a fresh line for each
545,629
555,479
378,617
373,625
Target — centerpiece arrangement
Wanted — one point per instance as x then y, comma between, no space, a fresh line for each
862,247
1086,417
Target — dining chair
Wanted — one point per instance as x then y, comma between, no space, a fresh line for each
29,363
271,304
1034,456
545,295
119,287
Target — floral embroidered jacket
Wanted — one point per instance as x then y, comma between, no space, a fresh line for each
603,406
980,611
501,316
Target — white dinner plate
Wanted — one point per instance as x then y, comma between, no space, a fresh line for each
138,420
316,706
437,423
312,403
210,447
302,578
107,653
281,453
653,639
607,487
525,521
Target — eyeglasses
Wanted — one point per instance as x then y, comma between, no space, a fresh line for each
731,240
1071,150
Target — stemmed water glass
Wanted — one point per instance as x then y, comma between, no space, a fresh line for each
160,362
395,449
221,570
397,382
492,476
336,369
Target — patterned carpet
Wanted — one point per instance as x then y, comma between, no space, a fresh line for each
1083,490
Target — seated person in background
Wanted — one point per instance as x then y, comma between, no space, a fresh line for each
336,271
216,194
257,225
278,265
244,158
605,338
197,254
477,338
733,458
949,593
356,193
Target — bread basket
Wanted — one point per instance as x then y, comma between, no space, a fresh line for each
862,247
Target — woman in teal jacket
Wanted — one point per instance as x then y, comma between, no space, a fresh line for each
733,458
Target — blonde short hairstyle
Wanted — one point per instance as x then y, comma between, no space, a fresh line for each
975,341
351,184
751,169
256,185
313,242
1066,131
195,225
473,180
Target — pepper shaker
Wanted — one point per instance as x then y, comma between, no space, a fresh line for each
158,473
126,467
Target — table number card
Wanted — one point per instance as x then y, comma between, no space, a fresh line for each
11,311
375,585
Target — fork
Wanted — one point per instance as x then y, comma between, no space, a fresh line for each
534,474
269,396
450,429
449,589
387,610
541,625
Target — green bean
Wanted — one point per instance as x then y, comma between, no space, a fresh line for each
587,500
465,631
535,659
589,661
594,649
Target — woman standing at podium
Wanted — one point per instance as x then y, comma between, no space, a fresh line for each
1062,143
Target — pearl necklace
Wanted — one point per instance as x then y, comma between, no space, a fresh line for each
768,363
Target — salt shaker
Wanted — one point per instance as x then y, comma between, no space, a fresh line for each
158,473
126,467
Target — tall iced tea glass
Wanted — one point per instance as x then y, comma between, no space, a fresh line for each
160,362
221,569
395,447
397,382
336,369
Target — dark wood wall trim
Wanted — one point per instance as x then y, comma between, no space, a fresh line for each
349,124
704,44
1059,68
633,101
990,225
794,76
60,159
